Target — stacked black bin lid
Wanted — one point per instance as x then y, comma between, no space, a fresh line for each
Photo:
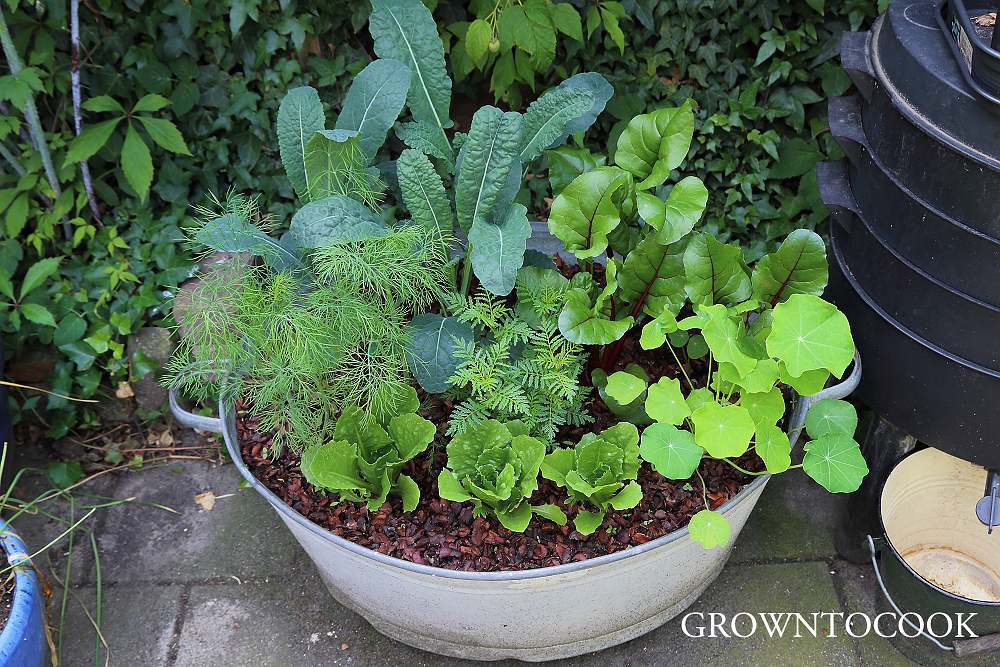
916,213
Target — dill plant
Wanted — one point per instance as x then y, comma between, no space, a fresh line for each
298,344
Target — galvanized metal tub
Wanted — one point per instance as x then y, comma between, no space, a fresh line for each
534,615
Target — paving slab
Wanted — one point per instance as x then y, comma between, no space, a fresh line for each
136,620
296,622
793,520
241,536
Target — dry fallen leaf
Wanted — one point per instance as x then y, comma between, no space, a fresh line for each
124,390
206,500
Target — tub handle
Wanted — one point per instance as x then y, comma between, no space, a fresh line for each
191,420
842,389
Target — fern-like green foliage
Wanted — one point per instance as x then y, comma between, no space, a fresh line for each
516,371
300,341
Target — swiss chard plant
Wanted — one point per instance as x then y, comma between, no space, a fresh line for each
758,327
599,472
364,460
494,467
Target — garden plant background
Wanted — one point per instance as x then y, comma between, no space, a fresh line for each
177,95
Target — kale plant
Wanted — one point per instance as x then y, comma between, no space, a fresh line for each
495,466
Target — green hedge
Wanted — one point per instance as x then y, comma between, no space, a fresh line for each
760,72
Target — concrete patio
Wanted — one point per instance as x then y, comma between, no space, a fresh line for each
230,586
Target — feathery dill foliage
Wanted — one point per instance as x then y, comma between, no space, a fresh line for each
300,345
410,264
516,370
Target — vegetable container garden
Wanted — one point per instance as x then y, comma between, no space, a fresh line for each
533,615
497,438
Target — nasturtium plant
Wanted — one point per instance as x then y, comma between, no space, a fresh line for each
494,467
599,472
363,461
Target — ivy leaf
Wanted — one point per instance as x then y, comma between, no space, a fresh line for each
624,387
796,156
723,431
37,273
91,140
427,140
665,403
373,102
830,417
423,192
498,249
579,323
675,218
601,91
585,212
709,529
300,115
432,341
672,452
655,143
37,314
547,119
771,444
808,333
487,158
798,266
836,463
715,271
137,163
652,276
337,219
165,134
404,30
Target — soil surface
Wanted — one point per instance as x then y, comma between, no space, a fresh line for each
445,534
6,600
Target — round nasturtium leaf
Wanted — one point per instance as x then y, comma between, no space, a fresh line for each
672,452
709,529
807,384
829,417
809,333
665,402
766,408
697,347
624,387
723,431
836,463
699,397
771,444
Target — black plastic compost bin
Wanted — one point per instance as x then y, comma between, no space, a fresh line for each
915,236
